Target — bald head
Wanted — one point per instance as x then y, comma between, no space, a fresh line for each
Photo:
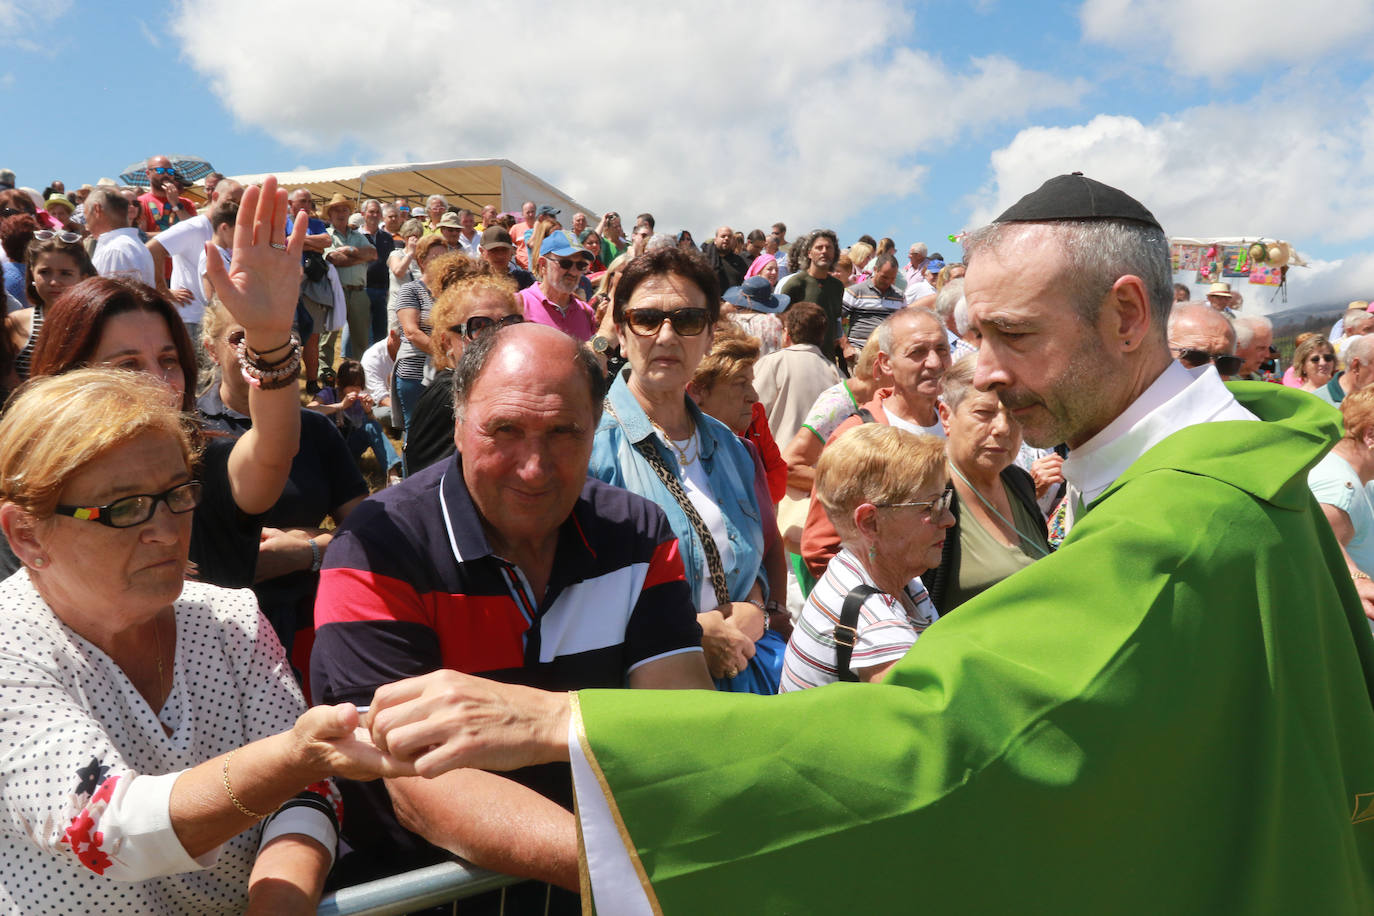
509,352
1194,326
227,189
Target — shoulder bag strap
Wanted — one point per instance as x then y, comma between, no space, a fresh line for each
714,566
847,630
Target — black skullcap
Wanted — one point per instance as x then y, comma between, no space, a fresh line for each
1077,197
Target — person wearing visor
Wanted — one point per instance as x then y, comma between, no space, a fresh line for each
1198,335
562,263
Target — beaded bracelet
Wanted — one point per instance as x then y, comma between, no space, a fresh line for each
268,376
259,361
243,809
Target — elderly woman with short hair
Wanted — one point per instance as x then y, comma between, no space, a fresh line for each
1340,483
1000,526
887,492
156,742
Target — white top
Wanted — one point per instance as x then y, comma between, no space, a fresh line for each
185,242
120,254
1179,398
698,488
192,315
1334,482
937,430
87,768
377,365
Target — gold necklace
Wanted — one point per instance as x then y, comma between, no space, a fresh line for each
682,453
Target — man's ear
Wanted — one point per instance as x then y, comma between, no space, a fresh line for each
945,413
1126,317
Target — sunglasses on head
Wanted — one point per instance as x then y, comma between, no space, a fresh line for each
1226,365
686,322
62,235
479,323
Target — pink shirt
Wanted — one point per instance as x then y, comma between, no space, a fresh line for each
576,318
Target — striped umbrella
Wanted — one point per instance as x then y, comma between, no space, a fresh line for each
188,169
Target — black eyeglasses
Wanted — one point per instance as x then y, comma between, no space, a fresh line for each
135,510
479,323
1193,358
62,235
936,506
688,322
573,263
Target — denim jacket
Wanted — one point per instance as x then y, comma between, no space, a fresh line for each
729,468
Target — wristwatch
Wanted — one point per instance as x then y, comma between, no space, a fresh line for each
600,344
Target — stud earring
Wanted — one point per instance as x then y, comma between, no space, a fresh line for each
39,562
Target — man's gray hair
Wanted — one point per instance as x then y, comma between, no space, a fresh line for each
1097,253
884,260
1359,347
660,240
883,332
433,197
478,352
370,200
111,201
803,251
948,298
918,249
1247,326
963,318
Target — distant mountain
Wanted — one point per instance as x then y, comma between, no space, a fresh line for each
1299,318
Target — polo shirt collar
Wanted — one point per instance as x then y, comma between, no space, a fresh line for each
468,540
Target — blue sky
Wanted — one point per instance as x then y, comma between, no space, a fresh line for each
913,120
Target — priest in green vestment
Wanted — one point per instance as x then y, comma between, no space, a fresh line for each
1174,713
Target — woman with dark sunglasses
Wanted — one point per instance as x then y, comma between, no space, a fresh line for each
1314,360
654,441
470,307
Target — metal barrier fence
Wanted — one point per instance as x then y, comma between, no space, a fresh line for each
413,890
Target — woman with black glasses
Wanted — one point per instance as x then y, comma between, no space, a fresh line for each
469,307
654,441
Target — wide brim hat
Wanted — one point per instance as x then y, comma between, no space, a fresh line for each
757,294
1219,289
338,200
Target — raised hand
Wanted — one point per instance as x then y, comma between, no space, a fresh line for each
262,283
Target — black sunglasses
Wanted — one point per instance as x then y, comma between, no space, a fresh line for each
687,322
479,323
1322,358
135,510
573,264
1226,365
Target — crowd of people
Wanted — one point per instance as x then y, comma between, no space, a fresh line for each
1042,562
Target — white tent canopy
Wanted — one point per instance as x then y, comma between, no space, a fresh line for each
472,183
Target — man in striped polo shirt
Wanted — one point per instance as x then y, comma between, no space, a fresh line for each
508,562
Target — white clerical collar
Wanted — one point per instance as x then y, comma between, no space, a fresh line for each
1179,398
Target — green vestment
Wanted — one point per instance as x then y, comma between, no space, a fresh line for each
1171,714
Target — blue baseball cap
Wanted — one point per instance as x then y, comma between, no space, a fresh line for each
561,244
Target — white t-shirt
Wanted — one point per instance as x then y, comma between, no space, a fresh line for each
185,242
703,498
193,315
120,254
901,423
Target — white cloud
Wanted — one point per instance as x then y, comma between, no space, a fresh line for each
1295,169
148,34
21,19
700,111
1214,40
1284,164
